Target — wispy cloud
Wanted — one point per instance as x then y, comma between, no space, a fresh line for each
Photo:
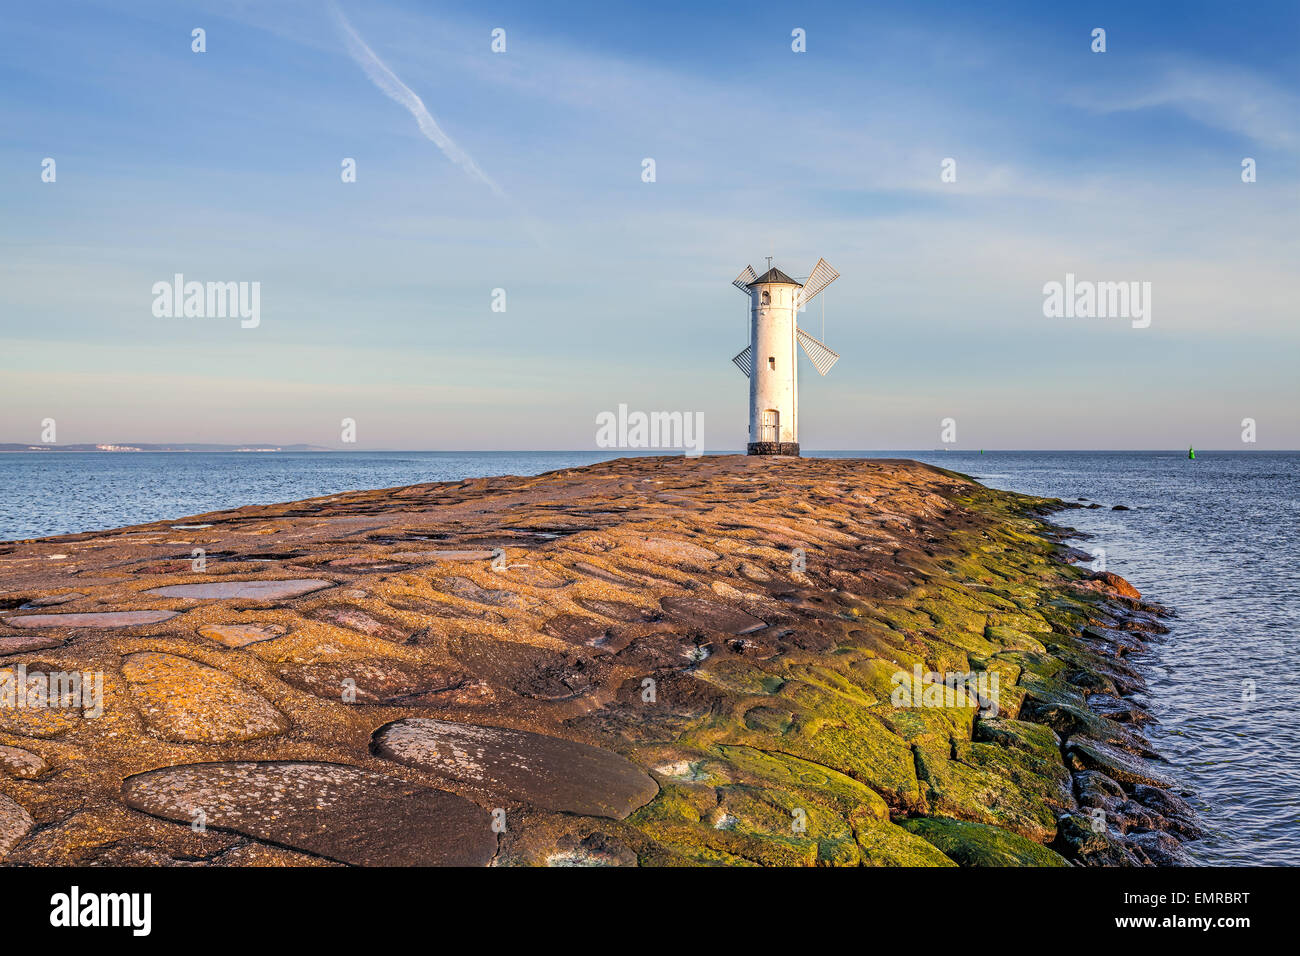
1228,98
395,89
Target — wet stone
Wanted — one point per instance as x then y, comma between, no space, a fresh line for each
597,849
91,619
22,764
1160,849
1125,711
467,590
664,650
183,700
710,615
27,642
51,600
253,590
676,552
530,671
355,619
371,681
14,824
618,610
241,635
1163,802
546,772
576,629
1115,763
333,810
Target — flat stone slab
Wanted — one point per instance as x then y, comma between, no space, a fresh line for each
186,701
50,600
45,716
333,810
14,824
355,619
372,681
22,764
618,610
91,619
536,672
256,590
675,551
549,773
241,635
467,590
22,643
711,615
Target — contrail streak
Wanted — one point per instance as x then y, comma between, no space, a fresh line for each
394,88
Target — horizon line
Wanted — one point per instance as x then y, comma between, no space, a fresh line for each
271,448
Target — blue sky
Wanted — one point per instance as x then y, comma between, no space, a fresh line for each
376,295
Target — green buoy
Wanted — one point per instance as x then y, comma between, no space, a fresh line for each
1191,453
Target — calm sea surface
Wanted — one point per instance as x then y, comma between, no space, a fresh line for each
1211,538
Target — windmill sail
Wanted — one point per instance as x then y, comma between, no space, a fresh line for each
743,280
745,361
822,275
822,356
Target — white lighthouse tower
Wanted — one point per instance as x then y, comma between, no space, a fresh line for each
770,359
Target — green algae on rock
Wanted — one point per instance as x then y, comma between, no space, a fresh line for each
653,675
977,844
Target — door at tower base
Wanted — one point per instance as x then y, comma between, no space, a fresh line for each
774,448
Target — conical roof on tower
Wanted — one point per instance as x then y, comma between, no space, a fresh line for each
775,275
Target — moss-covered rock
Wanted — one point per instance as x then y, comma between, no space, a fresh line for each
977,844
983,794
1008,638
794,773
773,728
888,845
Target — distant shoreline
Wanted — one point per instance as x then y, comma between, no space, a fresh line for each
114,448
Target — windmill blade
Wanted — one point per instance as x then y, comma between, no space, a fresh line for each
745,361
823,357
743,280
822,275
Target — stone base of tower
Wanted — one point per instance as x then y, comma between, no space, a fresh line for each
774,448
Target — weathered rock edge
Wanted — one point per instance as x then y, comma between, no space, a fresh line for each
777,744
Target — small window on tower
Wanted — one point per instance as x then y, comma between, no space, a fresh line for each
771,362
767,299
